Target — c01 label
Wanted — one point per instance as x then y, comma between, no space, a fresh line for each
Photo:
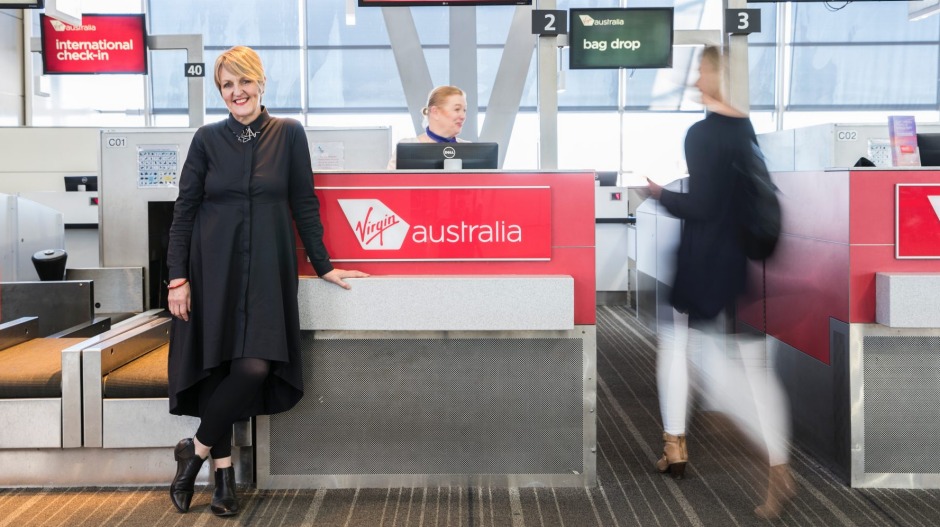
116,142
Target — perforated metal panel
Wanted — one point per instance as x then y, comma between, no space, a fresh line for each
435,406
902,404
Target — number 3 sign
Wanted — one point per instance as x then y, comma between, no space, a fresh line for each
744,21
549,22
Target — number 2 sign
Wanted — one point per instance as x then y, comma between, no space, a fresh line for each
549,22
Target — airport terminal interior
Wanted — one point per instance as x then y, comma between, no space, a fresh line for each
501,364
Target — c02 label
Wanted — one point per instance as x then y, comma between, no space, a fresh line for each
847,135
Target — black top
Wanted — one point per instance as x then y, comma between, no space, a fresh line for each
711,266
232,236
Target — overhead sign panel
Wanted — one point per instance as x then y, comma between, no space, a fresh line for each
21,4
452,3
101,44
620,38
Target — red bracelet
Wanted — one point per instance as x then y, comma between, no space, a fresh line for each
185,281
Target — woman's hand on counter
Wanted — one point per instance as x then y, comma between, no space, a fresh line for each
336,276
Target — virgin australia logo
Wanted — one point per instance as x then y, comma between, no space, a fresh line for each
375,225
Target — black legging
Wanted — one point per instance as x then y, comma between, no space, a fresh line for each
223,398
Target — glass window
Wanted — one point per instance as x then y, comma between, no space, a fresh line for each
488,61
768,24
242,22
360,79
493,24
864,76
853,58
326,25
861,22
171,89
762,61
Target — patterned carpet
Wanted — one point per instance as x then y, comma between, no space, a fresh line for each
724,481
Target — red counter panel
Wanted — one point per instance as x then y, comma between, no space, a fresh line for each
871,211
807,283
571,204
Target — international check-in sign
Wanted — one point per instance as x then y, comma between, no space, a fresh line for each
439,223
917,221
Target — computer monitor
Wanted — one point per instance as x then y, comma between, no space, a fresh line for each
929,147
431,156
81,183
606,178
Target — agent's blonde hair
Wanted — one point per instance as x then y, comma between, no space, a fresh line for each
241,61
439,95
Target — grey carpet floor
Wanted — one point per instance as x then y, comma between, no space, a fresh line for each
723,484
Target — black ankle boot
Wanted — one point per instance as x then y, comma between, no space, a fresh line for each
224,502
187,468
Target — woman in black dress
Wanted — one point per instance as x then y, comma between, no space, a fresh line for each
235,337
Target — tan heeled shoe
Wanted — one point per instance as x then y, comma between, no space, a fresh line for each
780,489
675,456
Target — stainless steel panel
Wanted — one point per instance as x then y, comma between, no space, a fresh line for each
817,394
142,423
646,300
30,423
131,344
117,289
93,467
59,305
104,356
902,404
611,245
38,228
437,408
895,407
18,331
646,241
8,243
71,398
95,326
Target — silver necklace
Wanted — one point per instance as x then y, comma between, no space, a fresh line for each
246,135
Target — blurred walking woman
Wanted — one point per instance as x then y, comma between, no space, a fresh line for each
235,337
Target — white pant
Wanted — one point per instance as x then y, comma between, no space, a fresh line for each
733,377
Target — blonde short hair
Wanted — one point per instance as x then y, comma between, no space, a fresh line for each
242,61
714,56
438,95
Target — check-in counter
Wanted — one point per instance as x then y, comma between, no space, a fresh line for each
468,357
842,303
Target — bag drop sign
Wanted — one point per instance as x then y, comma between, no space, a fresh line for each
102,44
621,38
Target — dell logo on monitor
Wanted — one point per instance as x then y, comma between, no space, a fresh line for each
449,152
